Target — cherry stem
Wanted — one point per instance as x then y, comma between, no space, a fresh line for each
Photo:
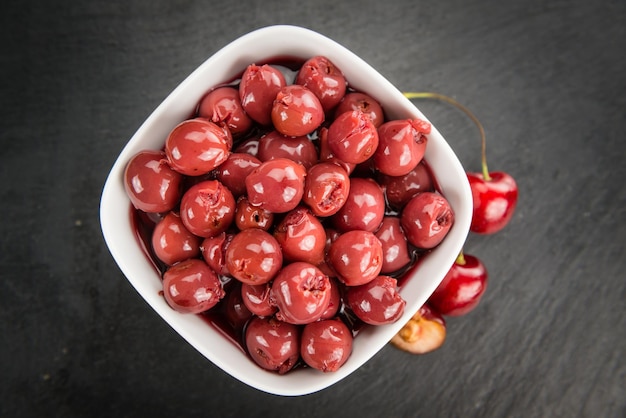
460,259
453,102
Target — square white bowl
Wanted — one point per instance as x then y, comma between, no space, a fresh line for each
257,47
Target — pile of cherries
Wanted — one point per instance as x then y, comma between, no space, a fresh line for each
287,210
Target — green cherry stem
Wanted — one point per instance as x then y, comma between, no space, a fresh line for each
453,102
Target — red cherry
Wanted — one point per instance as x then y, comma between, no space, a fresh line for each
352,137
377,302
253,256
213,250
276,185
196,146
326,155
299,149
273,344
301,236
256,298
396,253
494,198
207,208
462,287
172,242
296,111
356,256
401,146
363,102
321,76
257,91
191,286
150,183
335,299
326,345
233,172
426,219
222,106
250,216
301,292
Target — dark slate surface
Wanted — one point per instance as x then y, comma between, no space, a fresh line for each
547,79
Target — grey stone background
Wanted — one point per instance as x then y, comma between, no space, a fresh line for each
547,80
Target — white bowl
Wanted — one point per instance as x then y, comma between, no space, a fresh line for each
257,47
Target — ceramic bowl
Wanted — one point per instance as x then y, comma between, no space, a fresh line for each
257,47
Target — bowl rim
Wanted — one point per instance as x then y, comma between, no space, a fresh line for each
230,60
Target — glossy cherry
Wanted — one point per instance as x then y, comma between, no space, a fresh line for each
257,299
223,107
207,208
356,256
191,286
250,216
233,172
352,137
301,292
377,302
494,198
213,250
299,149
296,111
326,345
401,146
235,311
364,103
150,183
273,345
301,236
253,256
321,76
326,188
172,242
400,189
364,207
326,155
335,299
257,91
396,253
462,288
426,219
276,185
249,146
196,146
